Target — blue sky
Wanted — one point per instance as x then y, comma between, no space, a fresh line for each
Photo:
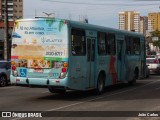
99,12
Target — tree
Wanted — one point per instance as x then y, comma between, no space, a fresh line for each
156,34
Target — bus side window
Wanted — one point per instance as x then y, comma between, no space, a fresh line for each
111,44
129,45
102,43
136,46
78,42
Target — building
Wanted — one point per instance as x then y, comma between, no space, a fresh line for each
129,20
144,25
15,9
153,21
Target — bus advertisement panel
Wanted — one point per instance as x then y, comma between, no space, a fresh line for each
39,49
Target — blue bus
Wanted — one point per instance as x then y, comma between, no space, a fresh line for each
68,55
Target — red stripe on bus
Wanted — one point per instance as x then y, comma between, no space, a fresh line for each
112,69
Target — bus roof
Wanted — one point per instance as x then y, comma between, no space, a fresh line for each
85,25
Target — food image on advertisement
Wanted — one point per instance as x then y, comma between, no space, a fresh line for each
38,63
34,41
21,63
27,50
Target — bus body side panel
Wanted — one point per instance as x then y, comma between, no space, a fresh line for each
77,66
82,66
107,65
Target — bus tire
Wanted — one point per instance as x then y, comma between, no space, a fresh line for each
100,84
133,81
53,90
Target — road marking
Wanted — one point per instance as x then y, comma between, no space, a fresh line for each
8,87
96,98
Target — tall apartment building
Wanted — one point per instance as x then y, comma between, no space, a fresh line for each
15,9
143,25
129,20
153,21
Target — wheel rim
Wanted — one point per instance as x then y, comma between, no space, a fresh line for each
2,81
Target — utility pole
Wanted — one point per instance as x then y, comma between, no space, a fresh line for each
6,41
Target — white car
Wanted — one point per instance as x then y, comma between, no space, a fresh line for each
5,69
153,65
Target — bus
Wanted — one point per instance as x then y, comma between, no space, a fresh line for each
69,55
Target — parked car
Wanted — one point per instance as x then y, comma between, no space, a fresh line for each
153,65
5,69
151,56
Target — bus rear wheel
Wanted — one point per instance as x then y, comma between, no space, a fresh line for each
53,90
100,84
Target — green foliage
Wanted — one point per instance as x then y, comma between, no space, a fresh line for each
156,43
50,21
156,34
61,23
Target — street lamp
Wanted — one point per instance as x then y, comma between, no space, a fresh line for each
48,14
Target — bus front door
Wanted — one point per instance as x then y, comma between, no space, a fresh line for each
90,62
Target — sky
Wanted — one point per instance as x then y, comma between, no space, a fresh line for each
98,12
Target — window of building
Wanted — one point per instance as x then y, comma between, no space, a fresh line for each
78,42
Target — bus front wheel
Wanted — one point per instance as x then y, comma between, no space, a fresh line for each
100,84
135,77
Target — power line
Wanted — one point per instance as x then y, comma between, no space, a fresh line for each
102,4
147,0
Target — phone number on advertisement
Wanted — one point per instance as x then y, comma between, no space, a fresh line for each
54,53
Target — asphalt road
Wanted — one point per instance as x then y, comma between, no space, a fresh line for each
119,102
